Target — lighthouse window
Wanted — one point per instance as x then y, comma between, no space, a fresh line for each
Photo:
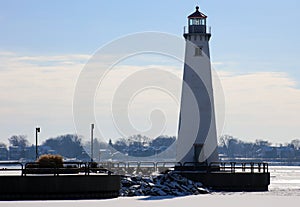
195,22
198,51
202,21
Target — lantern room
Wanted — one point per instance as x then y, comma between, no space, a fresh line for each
197,22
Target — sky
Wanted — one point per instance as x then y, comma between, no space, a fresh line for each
44,45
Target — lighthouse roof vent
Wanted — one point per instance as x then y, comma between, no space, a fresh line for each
197,14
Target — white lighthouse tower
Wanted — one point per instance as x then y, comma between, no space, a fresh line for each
197,136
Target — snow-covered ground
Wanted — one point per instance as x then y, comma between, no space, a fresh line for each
188,201
284,191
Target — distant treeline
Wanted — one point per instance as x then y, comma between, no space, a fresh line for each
69,146
72,146
142,146
234,148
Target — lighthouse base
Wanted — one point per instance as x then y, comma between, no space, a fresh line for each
231,177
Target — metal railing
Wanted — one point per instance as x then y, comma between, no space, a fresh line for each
243,167
6,166
55,169
135,167
51,168
131,168
186,30
147,168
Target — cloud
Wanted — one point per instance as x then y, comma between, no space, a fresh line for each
50,60
23,77
35,91
145,101
261,105
38,90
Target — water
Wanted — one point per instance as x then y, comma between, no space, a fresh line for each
285,180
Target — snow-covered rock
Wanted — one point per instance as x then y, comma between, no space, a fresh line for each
169,184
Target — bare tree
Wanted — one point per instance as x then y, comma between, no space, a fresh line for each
18,140
296,143
2,145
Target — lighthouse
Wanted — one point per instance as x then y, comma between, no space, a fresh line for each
197,135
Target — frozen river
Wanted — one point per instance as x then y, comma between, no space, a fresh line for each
283,191
285,181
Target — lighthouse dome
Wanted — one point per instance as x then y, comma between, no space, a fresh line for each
197,14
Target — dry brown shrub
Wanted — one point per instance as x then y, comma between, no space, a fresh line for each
48,160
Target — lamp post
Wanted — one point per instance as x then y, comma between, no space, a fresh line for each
37,130
92,142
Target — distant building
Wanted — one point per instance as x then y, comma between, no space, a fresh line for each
46,150
286,152
267,152
3,153
15,153
104,154
29,153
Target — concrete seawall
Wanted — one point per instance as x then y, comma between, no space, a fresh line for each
59,187
225,181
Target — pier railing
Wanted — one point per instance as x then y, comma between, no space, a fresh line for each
129,168
147,168
242,167
51,168
11,168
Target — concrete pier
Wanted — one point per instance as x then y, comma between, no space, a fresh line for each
227,181
228,176
43,187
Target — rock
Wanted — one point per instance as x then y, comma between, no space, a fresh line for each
158,191
198,184
203,190
134,187
160,185
150,184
